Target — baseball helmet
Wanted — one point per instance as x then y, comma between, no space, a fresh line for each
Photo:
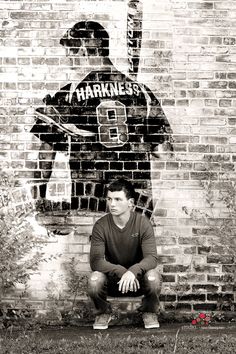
90,34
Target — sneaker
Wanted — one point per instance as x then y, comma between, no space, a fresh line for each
150,320
102,321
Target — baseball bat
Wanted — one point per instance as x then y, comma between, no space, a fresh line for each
134,35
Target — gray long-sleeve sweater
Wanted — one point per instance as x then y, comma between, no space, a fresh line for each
115,250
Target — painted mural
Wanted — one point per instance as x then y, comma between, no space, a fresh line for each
109,123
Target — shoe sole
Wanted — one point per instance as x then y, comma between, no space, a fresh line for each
97,326
152,326
100,327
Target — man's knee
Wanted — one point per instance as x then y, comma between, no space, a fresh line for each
96,282
153,279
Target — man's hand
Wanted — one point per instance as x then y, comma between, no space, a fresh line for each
128,282
136,285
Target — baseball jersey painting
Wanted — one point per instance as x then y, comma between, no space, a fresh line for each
113,124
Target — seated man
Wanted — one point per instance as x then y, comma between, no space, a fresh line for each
123,257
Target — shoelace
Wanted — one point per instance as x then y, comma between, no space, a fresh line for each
151,316
103,318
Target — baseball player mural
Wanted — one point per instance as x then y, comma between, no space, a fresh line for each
108,123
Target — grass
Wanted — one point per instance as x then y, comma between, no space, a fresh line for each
101,343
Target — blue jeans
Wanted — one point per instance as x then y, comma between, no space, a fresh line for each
102,285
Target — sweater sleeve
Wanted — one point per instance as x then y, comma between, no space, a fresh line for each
50,134
149,250
97,254
44,128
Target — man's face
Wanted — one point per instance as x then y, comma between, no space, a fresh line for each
118,203
77,56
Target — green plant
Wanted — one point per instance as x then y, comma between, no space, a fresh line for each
221,226
76,282
217,220
20,246
63,292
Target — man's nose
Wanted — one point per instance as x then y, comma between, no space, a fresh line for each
112,202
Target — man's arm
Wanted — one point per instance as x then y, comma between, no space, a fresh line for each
97,254
46,160
157,131
48,133
148,245
52,140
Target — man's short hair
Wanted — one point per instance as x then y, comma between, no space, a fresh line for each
122,184
90,34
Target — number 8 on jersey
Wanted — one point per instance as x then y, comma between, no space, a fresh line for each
113,130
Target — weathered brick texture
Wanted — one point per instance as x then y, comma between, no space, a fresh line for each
188,60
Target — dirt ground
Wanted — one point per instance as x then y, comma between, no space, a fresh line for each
71,333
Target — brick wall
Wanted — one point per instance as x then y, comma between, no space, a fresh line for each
188,61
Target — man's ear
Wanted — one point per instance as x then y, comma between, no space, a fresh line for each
131,202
